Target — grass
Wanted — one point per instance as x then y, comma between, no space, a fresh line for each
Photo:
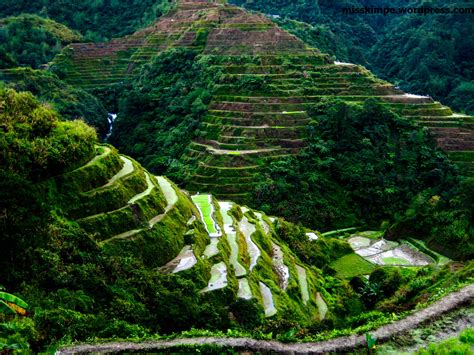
351,265
204,205
370,234
395,261
339,232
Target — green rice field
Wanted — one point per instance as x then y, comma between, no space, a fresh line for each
205,207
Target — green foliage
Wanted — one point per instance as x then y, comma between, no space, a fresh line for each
319,36
389,280
352,265
361,165
16,334
70,102
9,302
77,290
461,345
467,336
97,20
249,313
363,157
34,144
422,54
444,223
406,55
30,40
161,112
347,36
319,253
425,282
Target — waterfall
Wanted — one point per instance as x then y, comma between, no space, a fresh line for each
111,118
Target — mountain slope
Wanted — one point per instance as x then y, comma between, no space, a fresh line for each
429,54
96,20
29,40
132,214
99,247
268,81
98,217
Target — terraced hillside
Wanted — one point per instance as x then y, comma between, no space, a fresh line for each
269,79
226,249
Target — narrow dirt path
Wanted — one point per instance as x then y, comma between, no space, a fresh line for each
446,304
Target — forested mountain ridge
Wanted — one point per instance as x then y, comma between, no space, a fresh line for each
97,20
30,40
423,54
355,38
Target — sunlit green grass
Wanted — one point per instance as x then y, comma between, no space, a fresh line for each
202,202
395,261
351,265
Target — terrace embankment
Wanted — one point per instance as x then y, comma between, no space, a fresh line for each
224,249
269,78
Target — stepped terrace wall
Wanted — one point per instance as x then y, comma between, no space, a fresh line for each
259,110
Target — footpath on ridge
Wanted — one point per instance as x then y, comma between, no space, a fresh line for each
446,304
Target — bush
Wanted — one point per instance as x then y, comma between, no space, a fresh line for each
388,279
249,313
35,144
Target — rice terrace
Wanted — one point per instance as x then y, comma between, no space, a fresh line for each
213,176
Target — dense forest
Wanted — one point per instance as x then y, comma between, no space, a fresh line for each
364,165
29,40
97,20
161,110
71,102
77,291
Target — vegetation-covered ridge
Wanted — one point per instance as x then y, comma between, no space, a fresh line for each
30,40
111,250
342,344
429,54
267,82
99,220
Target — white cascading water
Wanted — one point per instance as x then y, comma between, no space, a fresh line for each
111,118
